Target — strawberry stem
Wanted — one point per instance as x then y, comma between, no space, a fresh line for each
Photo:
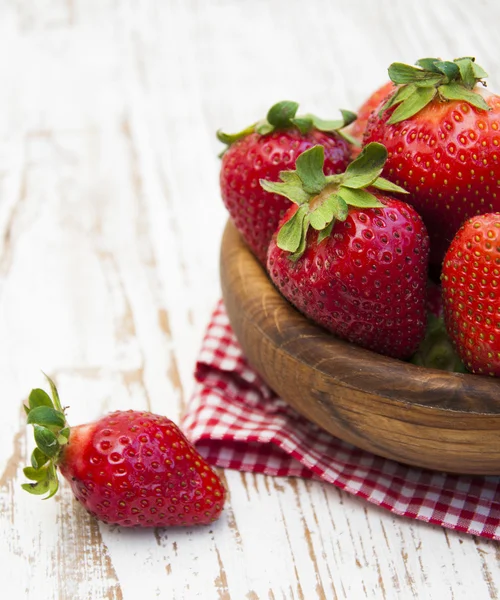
322,199
431,78
51,432
282,116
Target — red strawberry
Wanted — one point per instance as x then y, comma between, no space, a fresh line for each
128,468
353,261
262,151
443,138
471,284
357,128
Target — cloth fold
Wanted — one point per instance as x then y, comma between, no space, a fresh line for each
236,421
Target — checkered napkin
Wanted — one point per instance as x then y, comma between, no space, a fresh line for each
237,422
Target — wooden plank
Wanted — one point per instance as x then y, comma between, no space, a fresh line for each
110,225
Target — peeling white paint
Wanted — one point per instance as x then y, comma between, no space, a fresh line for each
110,224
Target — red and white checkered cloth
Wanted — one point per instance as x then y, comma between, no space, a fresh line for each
237,422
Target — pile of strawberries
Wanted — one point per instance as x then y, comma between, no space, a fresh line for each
385,228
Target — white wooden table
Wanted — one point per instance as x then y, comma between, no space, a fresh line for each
110,225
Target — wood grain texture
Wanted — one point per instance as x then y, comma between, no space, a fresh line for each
423,417
110,230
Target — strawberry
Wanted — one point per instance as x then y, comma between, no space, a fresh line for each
357,128
471,283
353,261
263,150
442,135
129,468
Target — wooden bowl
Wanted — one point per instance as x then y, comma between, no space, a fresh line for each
423,417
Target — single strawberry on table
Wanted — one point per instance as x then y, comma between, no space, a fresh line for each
350,256
264,149
129,468
442,133
471,284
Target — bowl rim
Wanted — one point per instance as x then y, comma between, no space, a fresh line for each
434,389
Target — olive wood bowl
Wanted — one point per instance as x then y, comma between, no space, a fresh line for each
423,417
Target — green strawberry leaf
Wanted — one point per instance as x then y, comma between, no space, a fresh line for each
35,474
428,64
413,104
46,416
46,440
45,481
449,69
309,167
431,81
326,232
402,74
466,71
455,91
348,116
62,440
367,167
303,240
65,433
452,80
304,124
479,72
290,177
359,198
55,393
39,488
340,208
401,94
290,187
51,434
53,482
323,200
230,138
39,397
321,216
333,125
38,458
332,208
387,186
281,114
290,233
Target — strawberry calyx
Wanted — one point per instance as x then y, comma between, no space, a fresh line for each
434,78
436,350
283,115
323,199
51,433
